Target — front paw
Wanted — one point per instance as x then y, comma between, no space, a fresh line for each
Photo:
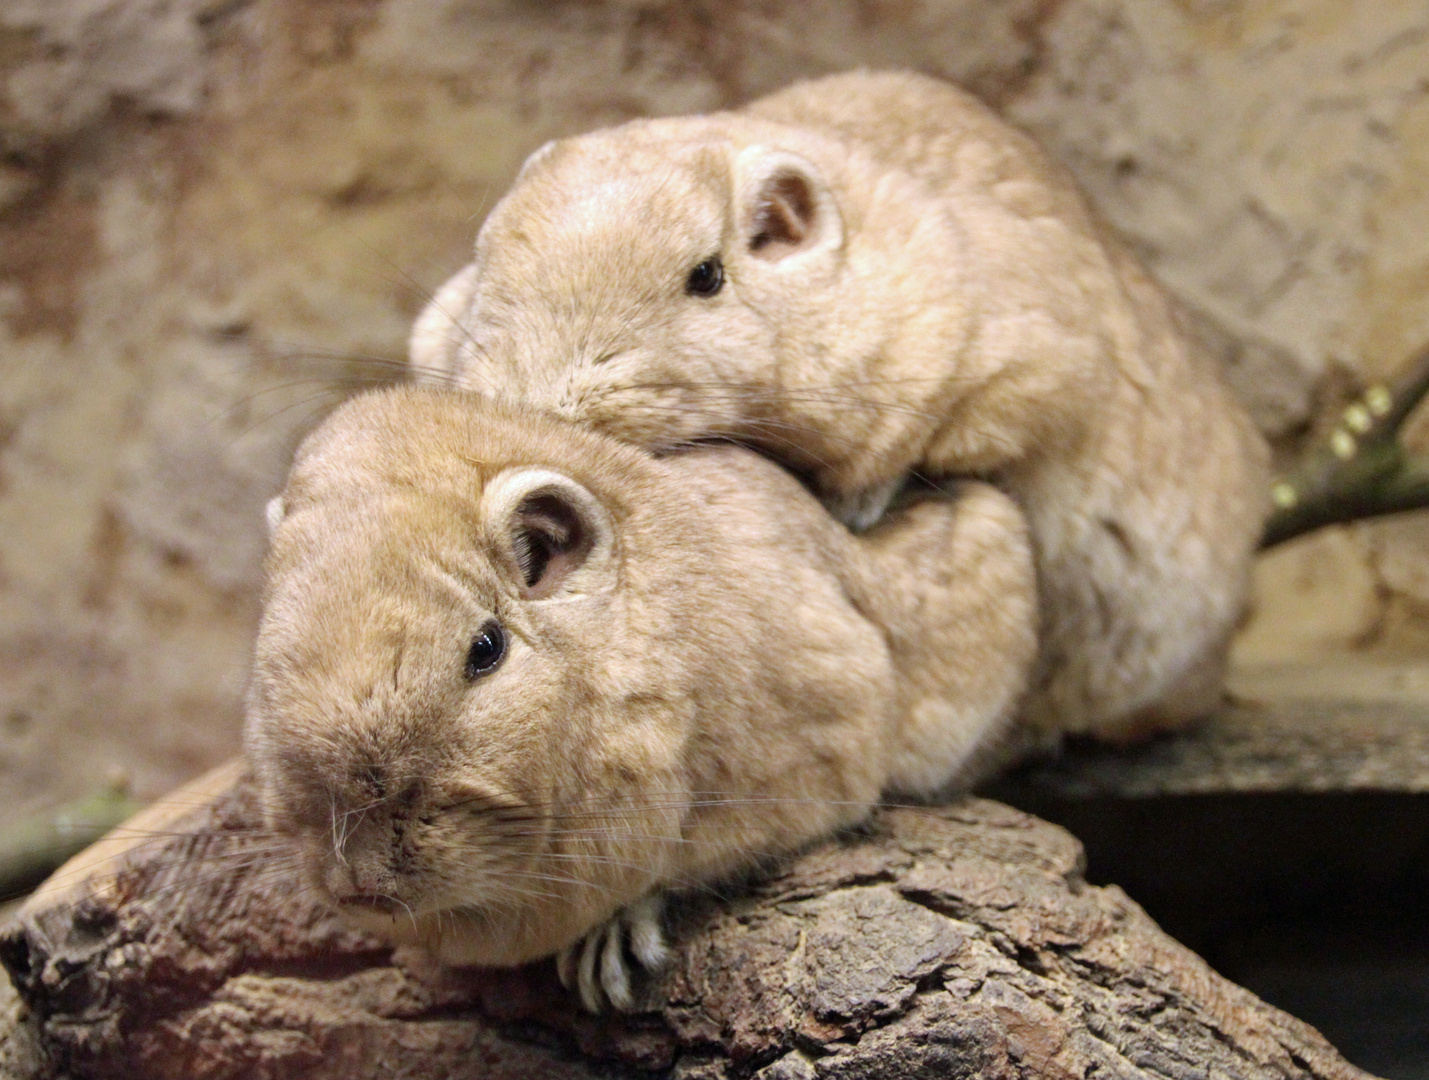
597,964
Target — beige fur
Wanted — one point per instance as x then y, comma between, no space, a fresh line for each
911,284
709,671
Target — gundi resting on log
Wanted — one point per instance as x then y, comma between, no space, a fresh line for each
549,640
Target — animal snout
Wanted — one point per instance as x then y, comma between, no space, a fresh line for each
362,880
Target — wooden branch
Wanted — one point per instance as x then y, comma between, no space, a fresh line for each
961,941
1361,469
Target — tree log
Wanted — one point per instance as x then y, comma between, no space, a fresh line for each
947,942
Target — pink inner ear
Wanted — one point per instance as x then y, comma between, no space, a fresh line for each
784,213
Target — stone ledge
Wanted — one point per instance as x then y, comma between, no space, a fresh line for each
1341,726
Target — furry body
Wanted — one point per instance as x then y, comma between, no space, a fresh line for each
706,671
909,285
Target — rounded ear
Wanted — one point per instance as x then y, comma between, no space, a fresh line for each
555,538
438,336
274,512
533,159
785,207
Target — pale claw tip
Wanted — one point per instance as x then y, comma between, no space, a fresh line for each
614,978
596,965
566,966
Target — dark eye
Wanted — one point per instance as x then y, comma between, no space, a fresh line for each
487,651
707,278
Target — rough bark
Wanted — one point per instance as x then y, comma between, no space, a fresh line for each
959,941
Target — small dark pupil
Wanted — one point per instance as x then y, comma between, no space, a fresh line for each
706,278
487,649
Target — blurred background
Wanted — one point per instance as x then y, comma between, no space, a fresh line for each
219,217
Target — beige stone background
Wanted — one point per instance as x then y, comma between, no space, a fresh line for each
218,217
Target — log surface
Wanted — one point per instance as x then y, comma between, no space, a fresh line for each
961,941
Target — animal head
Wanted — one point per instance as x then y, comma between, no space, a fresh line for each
440,671
644,279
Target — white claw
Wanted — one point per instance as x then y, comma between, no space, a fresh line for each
647,939
589,990
596,966
614,979
566,965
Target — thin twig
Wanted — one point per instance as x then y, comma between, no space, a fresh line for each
1361,470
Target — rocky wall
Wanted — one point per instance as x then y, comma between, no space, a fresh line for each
218,217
